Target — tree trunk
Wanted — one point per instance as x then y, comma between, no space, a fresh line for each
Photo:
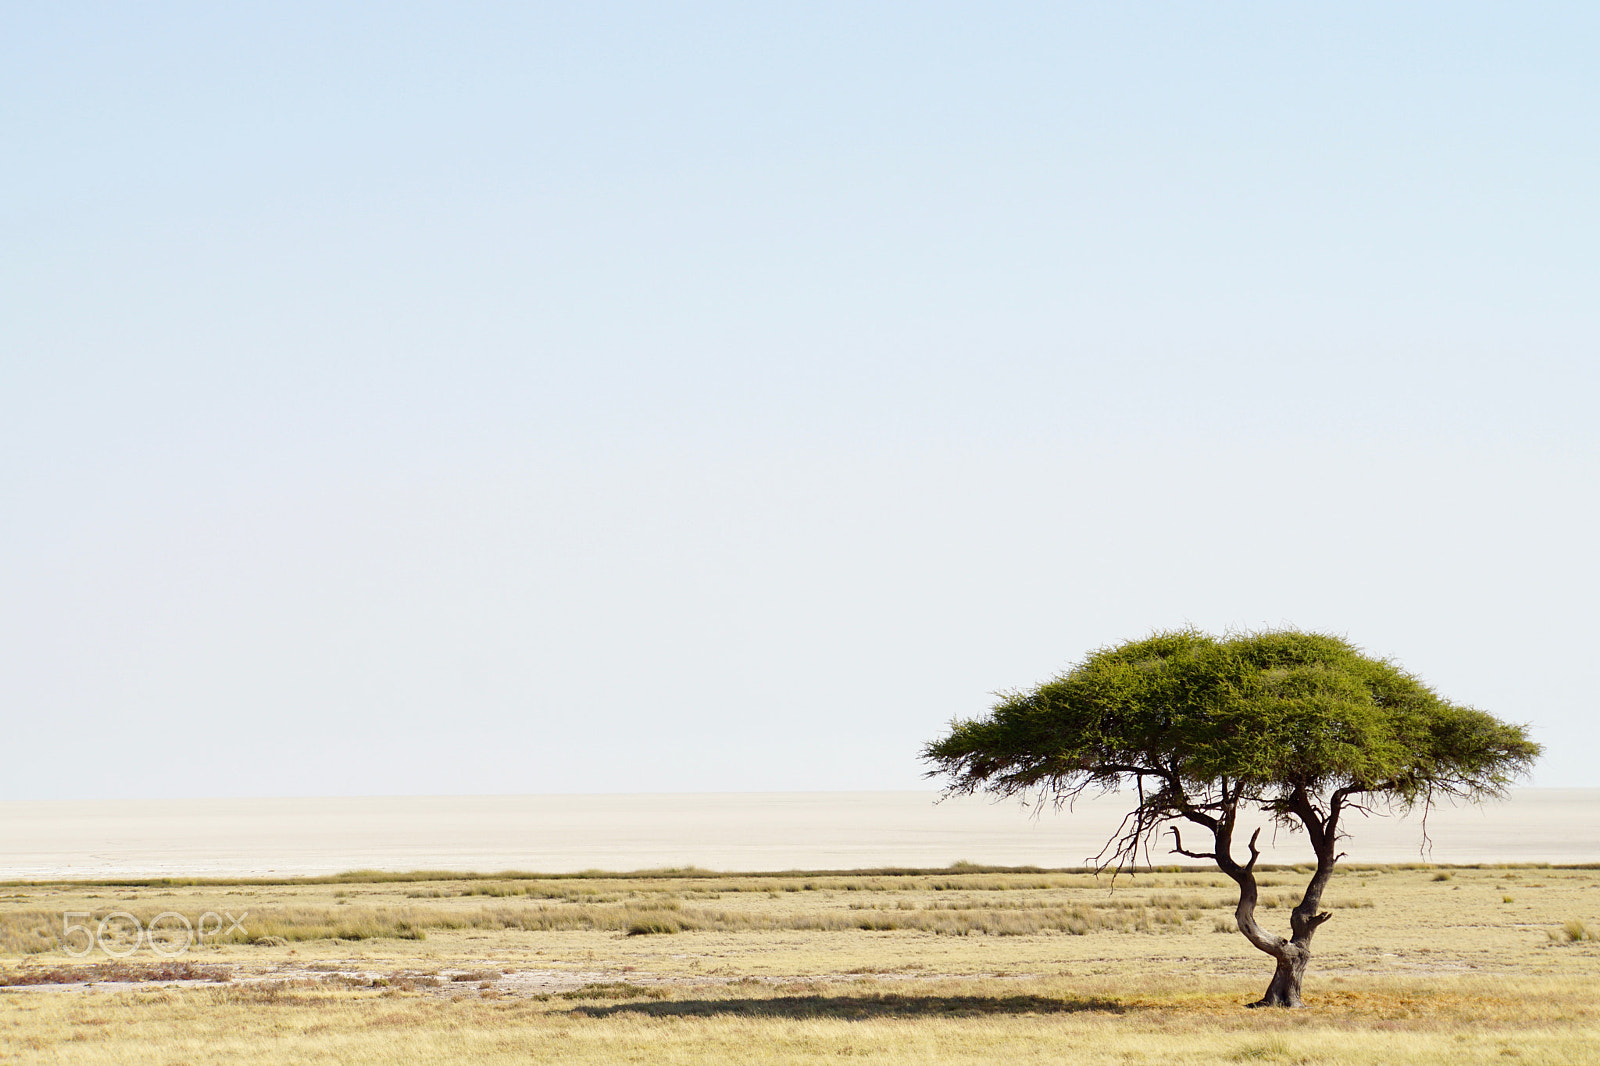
1293,954
1284,991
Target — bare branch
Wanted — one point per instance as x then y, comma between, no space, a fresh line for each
1255,852
1178,848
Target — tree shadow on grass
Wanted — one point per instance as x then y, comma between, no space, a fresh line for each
859,1008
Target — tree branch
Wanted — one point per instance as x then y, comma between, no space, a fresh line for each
1138,771
1255,853
1336,807
1178,848
1300,805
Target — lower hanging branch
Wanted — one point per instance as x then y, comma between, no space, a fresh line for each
1177,848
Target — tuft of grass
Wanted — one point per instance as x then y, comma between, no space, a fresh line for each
292,925
1572,932
657,925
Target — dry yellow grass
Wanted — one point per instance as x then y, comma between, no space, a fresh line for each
941,968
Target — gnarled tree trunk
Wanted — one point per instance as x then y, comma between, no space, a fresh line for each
1291,955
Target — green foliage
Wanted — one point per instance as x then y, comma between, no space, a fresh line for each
1274,712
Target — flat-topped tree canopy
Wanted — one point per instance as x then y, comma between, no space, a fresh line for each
1274,712
1302,725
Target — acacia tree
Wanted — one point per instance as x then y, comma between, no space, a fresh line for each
1301,726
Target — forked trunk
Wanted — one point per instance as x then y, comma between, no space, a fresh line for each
1293,954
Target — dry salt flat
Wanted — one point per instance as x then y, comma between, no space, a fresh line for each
728,831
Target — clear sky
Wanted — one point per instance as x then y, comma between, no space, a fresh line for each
477,398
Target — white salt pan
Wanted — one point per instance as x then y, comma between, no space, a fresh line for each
730,831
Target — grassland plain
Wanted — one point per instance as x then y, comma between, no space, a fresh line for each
963,965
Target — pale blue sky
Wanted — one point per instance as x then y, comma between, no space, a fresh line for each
614,397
